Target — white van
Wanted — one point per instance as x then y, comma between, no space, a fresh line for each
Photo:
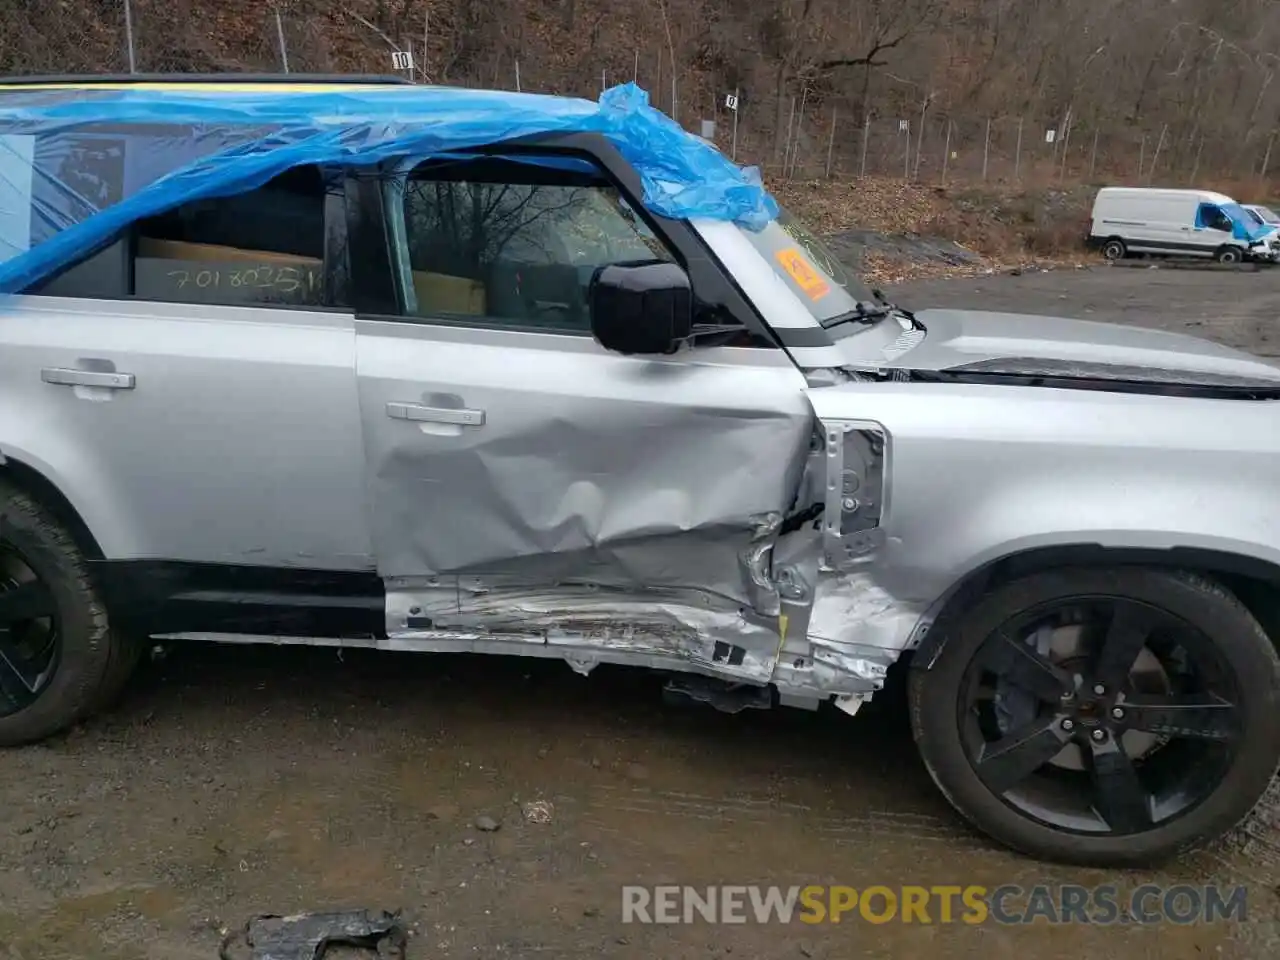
1197,223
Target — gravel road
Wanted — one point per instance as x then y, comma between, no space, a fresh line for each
235,782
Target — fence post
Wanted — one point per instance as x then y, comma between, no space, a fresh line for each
1017,154
1142,156
1066,146
986,149
866,135
906,158
924,106
831,143
1093,157
1195,170
737,108
284,50
635,69
946,153
786,149
1155,157
517,74
657,84
795,152
128,36
1266,158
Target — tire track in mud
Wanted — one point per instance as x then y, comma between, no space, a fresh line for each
602,802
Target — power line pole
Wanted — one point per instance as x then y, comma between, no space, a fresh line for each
284,50
128,35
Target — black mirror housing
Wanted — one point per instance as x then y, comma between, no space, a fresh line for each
641,308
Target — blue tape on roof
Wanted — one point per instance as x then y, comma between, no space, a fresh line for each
78,166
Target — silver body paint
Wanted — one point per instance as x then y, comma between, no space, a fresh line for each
601,508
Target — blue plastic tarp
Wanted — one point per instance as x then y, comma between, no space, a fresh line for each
78,166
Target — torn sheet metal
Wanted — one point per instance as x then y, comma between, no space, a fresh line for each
78,164
585,625
308,936
846,630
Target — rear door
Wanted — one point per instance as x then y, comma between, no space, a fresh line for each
192,387
531,492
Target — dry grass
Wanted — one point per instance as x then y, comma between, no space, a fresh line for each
1006,225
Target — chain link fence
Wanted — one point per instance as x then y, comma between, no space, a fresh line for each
787,136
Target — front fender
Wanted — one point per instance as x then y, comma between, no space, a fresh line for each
978,473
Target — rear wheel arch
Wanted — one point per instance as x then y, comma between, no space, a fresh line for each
1254,582
31,481
1114,248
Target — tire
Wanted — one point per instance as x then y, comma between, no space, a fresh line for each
1229,254
87,666
1114,249
940,718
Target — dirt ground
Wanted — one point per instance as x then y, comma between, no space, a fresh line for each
234,782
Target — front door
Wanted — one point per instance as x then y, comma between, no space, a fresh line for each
534,493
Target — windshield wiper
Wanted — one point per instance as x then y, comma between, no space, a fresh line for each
869,311
863,312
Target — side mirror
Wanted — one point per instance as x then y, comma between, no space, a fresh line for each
641,308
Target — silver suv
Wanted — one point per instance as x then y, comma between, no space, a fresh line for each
490,402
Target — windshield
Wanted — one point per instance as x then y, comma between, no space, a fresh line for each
826,285
1237,213
1266,214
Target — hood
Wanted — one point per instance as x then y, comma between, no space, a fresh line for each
1028,345
1252,232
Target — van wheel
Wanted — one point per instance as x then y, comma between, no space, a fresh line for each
1228,255
1108,717
1114,249
58,660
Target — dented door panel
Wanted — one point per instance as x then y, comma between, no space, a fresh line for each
602,503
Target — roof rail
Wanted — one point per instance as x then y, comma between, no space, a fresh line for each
177,78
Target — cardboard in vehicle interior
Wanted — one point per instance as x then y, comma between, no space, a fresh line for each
440,291
230,281
197,252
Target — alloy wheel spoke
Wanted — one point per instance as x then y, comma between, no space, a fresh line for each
1119,796
27,601
1006,762
1193,717
1126,635
18,671
1022,666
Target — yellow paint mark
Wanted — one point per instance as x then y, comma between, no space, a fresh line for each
803,273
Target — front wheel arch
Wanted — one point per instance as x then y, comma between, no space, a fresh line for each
1254,582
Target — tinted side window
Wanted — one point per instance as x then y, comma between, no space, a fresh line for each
513,245
267,246
1213,218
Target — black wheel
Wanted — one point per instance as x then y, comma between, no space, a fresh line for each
1229,255
1114,249
1108,717
58,661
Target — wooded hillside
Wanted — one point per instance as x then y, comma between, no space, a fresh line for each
1160,89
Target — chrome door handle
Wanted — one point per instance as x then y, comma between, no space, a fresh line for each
425,414
75,377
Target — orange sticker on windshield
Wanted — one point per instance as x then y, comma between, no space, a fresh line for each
803,273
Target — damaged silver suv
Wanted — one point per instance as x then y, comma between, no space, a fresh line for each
488,399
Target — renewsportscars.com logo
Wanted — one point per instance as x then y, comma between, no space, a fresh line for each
973,904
